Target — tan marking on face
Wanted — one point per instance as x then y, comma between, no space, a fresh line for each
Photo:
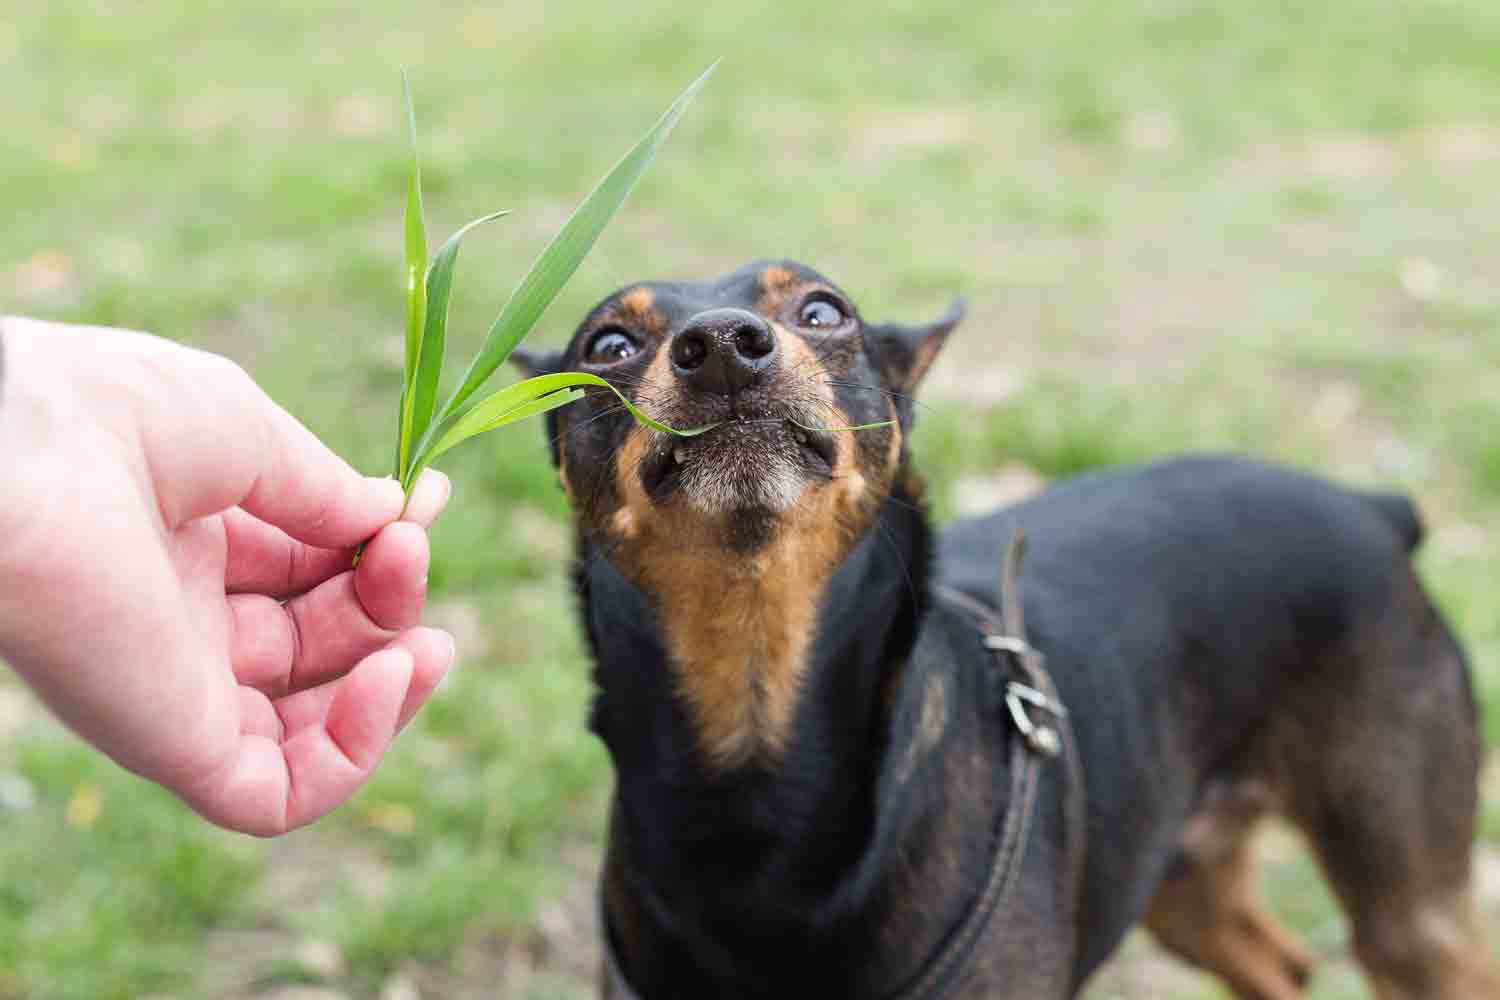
738,626
657,380
637,307
777,278
803,365
777,284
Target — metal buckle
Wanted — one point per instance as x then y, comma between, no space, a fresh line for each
1008,644
1040,737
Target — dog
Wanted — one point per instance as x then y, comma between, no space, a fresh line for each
850,763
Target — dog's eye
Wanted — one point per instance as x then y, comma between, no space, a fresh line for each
610,346
820,313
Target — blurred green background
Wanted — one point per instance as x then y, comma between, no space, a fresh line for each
1272,227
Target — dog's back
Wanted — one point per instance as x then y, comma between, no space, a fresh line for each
1261,631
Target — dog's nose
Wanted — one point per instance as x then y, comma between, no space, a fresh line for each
723,350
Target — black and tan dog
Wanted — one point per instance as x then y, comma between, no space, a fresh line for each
820,784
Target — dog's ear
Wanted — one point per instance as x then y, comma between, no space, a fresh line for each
533,363
904,353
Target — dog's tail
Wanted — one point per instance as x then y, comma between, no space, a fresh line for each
1402,515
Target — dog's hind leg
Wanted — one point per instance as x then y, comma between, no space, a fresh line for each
1206,910
1378,760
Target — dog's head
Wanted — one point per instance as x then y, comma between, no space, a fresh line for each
778,357
735,533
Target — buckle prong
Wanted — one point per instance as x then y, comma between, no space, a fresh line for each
1040,737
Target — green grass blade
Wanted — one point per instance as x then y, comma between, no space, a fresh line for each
499,405
562,256
429,369
416,285
836,430
551,401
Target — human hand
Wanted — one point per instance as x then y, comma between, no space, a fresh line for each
175,576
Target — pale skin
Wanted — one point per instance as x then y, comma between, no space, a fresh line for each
176,582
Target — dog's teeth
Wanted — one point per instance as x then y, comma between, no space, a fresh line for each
679,455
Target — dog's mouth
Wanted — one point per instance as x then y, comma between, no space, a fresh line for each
744,463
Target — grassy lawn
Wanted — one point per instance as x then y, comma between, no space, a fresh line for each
1272,227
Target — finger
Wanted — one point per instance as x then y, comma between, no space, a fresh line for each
316,637
267,788
327,763
432,654
263,559
266,560
428,498
313,495
258,716
391,580
213,440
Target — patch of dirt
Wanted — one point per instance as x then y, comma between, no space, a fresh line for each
464,620
301,870
892,134
363,114
1355,158
48,278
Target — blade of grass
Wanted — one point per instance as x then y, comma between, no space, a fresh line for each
551,401
482,416
416,286
561,258
429,369
837,430
529,409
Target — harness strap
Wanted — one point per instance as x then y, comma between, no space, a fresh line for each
1028,687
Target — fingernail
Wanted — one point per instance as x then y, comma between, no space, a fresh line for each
393,496
429,497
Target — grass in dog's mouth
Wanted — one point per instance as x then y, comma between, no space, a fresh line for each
662,470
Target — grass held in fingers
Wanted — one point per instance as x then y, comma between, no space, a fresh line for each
427,429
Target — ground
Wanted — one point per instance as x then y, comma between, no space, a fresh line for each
1266,227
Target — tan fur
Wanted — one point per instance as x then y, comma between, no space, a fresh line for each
739,626
1210,916
777,285
637,308
1437,940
